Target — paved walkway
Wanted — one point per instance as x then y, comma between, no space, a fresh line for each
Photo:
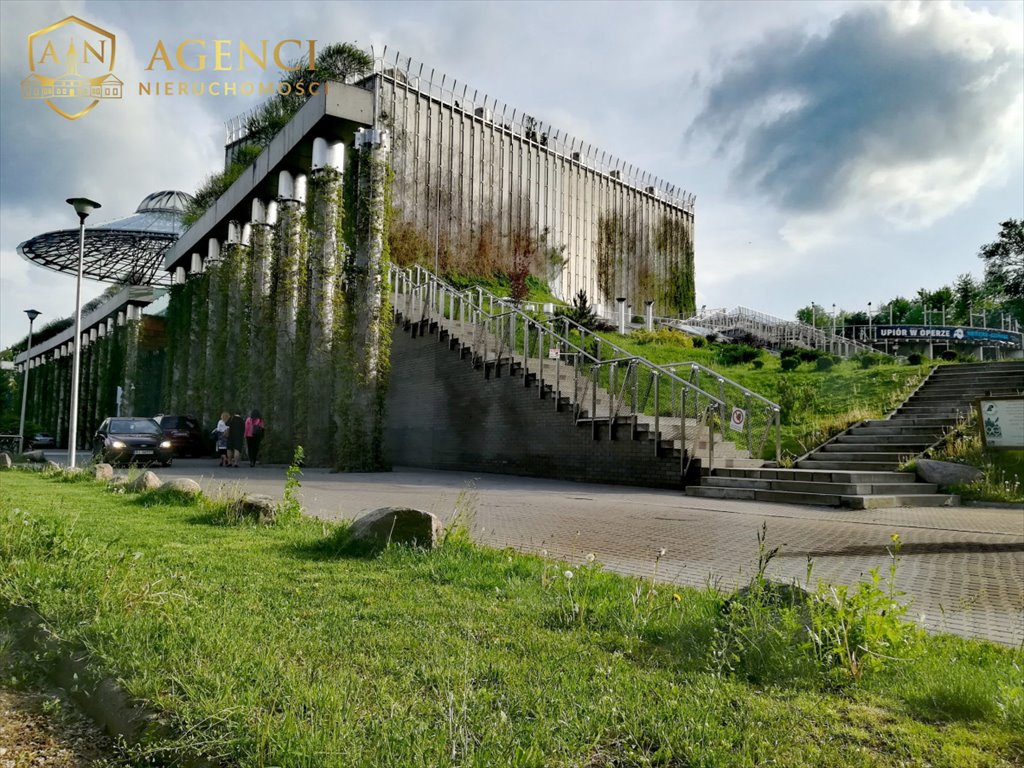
962,568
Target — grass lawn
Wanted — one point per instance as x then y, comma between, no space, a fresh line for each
268,646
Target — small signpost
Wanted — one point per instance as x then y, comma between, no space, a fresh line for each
553,353
738,420
1002,422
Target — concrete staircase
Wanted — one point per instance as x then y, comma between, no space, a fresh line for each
590,408
858,468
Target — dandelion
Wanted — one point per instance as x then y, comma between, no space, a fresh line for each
568,574
590,557
661,552
543,553
676,597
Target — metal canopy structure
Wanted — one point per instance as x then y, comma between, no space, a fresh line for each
128,251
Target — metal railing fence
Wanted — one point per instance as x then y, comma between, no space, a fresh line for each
620,391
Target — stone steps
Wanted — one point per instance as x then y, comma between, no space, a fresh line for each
861,501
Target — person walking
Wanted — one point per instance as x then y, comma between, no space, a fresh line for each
254,429
236,438
220,436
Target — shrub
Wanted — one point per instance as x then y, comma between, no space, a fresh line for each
758,364
949,354
790,363
824,363
698,342
661,336
810,355
870,359
789,352
736,354
914,358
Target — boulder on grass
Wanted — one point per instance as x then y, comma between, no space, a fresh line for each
51,466
255,506
184,485
147,481
5,461
103,472
36,457
946,473
398,525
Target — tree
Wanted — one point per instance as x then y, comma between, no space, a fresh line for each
1004,260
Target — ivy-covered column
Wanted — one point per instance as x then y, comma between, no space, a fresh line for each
62,394
324,216
128,338
364,347
287,254
261,348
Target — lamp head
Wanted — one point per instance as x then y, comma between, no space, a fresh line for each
83,206
32,314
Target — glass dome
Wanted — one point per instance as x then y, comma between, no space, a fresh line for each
128,250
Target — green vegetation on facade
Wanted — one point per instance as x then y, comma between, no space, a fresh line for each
269,646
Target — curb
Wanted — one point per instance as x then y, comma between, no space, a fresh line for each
101,698
993,505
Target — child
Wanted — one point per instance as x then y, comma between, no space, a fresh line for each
220,434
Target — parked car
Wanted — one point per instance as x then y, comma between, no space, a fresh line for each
42,440
185,434
132,440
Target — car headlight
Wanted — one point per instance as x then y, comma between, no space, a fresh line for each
165,444
117,444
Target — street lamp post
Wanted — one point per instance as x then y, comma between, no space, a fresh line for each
869,324
32,315
83,207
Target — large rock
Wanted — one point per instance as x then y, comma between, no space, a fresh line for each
5,461
945,473
398,525
103,472
255,506
51,466
147,481
185,485
37,457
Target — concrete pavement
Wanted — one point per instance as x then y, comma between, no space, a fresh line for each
962,568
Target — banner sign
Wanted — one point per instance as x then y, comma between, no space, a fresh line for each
950,333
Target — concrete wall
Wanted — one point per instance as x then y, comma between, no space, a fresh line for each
444,414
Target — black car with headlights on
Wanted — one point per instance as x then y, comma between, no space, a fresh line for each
185,434
132,440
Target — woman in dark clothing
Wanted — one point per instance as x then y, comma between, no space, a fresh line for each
236,438
254,428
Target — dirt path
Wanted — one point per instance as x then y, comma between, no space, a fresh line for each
38,730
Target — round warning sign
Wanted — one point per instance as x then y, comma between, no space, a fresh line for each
738,420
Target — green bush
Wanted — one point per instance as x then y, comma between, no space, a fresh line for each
810,355
736,354
789,352
698,342
825,363
870,359
949,355
758,364
790,363
914,358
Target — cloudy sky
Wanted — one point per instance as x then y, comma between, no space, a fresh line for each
840,152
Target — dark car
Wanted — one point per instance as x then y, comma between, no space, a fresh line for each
185,434
132,440
42,440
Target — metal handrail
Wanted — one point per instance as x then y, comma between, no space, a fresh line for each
434,294
754,447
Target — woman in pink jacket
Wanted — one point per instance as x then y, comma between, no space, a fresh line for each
254,429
